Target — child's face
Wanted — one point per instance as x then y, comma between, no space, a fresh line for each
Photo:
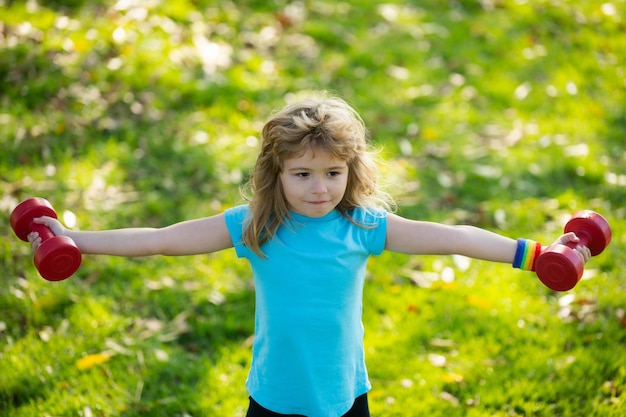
314,183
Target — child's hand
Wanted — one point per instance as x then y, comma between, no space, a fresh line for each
55,226
569,238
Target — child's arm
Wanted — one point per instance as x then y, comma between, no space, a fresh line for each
418,237
191,237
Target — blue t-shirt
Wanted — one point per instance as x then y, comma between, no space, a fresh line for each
308,355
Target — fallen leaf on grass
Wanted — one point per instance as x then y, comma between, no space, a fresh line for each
406,383
117,348
572,308
438,361
441,343
90,361
163,282
446,396
620,314
452,378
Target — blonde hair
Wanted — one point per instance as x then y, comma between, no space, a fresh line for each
324,123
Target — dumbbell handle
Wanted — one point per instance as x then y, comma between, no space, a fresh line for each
44,231
583,240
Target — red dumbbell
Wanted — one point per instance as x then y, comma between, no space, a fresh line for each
559,267
57,257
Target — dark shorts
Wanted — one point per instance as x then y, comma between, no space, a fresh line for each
360,408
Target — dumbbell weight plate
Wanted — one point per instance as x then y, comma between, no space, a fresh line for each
591,228
26,211
559,268
57,258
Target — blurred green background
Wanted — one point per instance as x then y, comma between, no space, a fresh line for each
505,114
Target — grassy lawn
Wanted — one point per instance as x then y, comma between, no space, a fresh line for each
505,114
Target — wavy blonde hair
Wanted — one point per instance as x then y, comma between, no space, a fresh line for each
317,123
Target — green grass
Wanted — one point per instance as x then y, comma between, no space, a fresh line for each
508,115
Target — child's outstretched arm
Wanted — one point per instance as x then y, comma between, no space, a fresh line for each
192,237
427,238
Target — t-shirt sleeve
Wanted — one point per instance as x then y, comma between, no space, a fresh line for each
378,236
235,221
374,223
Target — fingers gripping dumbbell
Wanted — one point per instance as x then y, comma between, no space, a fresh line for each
57,257
560,267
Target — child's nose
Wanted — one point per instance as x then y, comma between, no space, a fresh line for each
319,186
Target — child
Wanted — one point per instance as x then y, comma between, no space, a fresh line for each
314,216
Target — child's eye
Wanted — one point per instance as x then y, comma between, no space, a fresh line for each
302,174
334,173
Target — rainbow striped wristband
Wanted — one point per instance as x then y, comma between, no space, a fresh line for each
526,254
